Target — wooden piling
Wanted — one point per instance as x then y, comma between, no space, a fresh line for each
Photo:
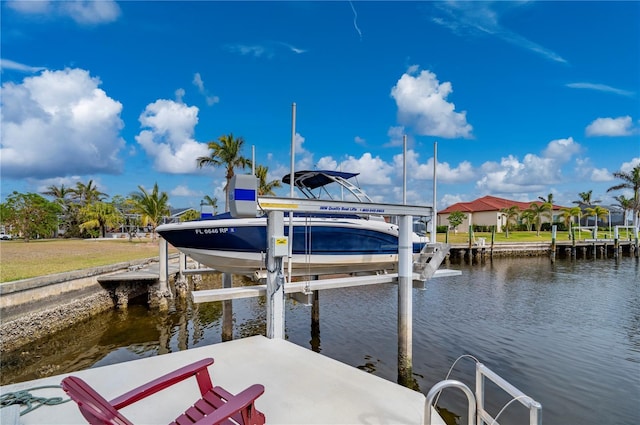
227,309
553,243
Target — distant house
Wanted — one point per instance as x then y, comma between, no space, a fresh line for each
486,211
175,214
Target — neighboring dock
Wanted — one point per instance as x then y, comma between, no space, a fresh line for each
301,387
583,249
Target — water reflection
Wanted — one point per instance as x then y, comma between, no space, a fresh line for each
567,333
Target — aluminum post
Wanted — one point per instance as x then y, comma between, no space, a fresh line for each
275,279
405,301
163,260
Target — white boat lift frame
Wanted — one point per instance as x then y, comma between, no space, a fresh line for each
276,288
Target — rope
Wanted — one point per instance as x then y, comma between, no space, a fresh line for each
495,420
467,356
24,397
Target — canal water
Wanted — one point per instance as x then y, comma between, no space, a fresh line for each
565,333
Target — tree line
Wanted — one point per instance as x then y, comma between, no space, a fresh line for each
84,211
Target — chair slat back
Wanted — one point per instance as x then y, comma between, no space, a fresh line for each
92,405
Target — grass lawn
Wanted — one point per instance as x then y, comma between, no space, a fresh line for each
21,260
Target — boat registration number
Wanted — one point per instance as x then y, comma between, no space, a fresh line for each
215,230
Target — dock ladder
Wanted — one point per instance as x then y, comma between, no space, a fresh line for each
477,413
431,257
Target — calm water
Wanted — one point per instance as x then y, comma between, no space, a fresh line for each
567,334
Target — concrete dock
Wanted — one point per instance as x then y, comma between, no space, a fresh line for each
301,387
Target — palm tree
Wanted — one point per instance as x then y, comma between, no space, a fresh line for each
598,212
87,193
548,199
213,202
152,207
511,214
527,217
567,214
62,196
100,215
538,210
264,187
585,201
625,204
225,151
631,180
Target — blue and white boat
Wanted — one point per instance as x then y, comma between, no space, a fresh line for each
322,243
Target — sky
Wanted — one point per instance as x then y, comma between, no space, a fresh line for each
522,99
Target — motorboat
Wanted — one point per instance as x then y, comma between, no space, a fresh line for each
322,243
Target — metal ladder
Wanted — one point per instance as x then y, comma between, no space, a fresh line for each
431,256
477,413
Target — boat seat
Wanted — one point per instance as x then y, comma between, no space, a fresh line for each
216,405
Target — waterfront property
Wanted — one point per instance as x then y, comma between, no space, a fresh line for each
486,211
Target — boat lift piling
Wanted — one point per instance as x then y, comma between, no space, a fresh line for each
405,302
227,309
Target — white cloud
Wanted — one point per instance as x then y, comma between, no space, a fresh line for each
265,49
15,66
197,81
601,175
396,135
294,49
627,167
445,174
59,123
449,199
327,163
81,11
360,141
600,87
533,173
167,136
373,170
483,19
30,7
562,149
254,50
621,126
298,142
422,104
91,12
179,95
304,158
182,190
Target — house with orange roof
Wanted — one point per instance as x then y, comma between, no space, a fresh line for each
486,211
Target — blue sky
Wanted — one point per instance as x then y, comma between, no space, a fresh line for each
523,98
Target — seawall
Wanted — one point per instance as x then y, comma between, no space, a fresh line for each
34,308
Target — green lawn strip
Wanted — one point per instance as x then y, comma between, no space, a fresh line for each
22,260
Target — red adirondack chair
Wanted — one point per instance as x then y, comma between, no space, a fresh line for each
215,407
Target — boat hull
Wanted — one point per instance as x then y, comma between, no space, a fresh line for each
320,245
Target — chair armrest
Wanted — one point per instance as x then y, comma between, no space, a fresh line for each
161,383
234,405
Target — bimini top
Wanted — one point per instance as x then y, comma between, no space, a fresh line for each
313,179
